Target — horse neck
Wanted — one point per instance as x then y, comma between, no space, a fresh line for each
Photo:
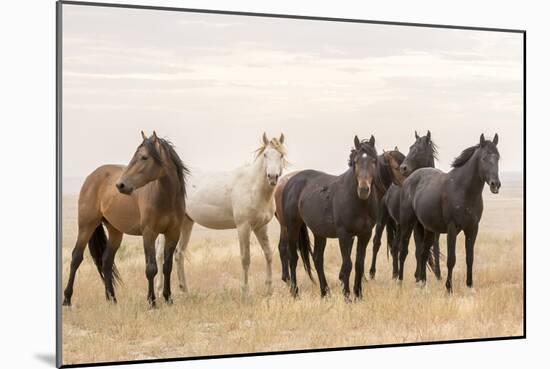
467,176
260,186
350,182
384,177
169,185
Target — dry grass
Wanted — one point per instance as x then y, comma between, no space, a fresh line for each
214,319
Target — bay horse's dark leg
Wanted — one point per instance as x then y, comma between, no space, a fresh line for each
362,242
471,235
377,240
406,229
437,253
318,259
418,236
115,238
172,239
451,255
84,234
346,243
151,268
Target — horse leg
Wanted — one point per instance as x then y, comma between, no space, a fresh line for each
84,234
394,249
151,269
418,235
115,238
169,247
263,239
244,243
159,252
283,254
342,273
451,255
362,242
377,240
293,262
318,259
471,235
186,228
437,268
346,244
427,243
404,236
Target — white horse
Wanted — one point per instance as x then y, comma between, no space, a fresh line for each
241,199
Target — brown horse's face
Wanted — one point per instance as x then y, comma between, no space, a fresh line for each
394,165
364,169
144,167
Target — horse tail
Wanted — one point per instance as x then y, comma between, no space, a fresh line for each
97,245
304,245
431,258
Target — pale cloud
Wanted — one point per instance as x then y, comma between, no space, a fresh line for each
204,80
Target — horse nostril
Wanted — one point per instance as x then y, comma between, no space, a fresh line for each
120,185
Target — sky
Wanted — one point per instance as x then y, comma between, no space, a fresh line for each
212,84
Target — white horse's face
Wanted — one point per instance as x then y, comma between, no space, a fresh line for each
273,163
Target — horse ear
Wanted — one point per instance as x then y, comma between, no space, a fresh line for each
396,148
282,138
429,135
264,139
155,138
482,140
495,139
371,141
416,135
143,136
357,142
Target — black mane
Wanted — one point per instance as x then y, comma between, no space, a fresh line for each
466,154
168,147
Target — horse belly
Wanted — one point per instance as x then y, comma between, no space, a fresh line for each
211,216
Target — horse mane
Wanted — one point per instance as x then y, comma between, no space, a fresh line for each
277,145
466,154
181,170
365,147
433,149
400,157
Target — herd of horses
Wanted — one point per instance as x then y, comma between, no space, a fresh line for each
154,195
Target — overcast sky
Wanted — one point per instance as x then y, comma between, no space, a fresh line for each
214,83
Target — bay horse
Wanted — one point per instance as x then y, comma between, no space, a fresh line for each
342,207
422,153
241,199
449,203
146,197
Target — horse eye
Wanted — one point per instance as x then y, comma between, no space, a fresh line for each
143,157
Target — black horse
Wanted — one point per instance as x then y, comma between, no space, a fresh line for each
340,207
448,203
422,153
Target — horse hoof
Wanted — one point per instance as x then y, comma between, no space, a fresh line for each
168,300
67,302
420,284
372,274
399,282
347,299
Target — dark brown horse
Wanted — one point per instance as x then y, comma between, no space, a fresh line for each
145,198
342,207
448,203
422,153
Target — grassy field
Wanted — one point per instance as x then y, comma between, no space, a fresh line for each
214,319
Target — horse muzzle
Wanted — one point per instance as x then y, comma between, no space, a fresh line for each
363,192
272,179
124,189
494,186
